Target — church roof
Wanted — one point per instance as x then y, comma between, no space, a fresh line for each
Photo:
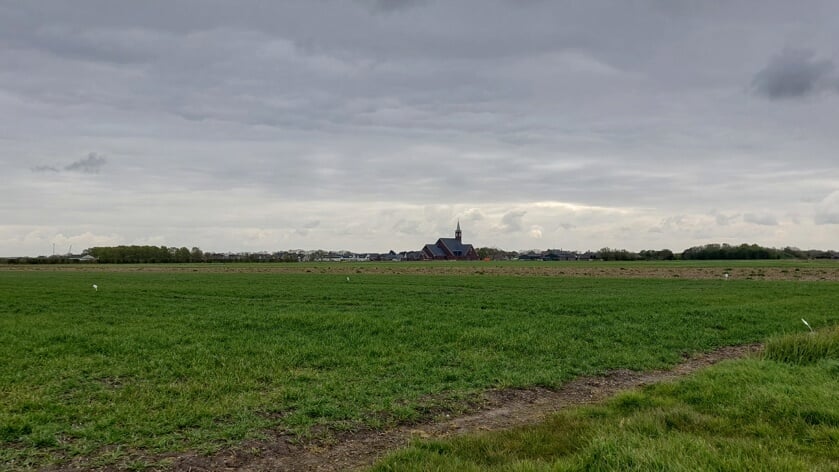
435,251
454,245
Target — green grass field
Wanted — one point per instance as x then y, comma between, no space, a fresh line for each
779,412
195,359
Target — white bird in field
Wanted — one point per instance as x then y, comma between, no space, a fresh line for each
726,276
95,287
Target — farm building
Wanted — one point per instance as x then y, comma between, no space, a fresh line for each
450,249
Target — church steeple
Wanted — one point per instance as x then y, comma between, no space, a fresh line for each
457,232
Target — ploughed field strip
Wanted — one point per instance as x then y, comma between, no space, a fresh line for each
737,270
164,362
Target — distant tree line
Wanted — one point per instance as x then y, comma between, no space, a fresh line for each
55,259
609,254
144,254
715,252
725,252
657,255
750,251
810,253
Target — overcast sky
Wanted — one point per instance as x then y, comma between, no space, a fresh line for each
372,125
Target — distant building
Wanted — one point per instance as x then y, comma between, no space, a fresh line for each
85,258
559,255
450,249
414,255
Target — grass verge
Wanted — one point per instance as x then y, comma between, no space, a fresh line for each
804,348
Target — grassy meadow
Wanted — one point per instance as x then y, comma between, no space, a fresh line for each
199,357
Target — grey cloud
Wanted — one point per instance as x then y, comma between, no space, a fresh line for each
44,169
827,211
511,222
827,218
794,74
473,214
410,227
90,165
723,219
762,219
100,45
392,5
671,222
307,228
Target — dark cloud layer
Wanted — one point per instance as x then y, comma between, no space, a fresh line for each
393,5
43,168
795,74
92,164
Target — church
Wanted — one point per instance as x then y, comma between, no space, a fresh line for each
450,249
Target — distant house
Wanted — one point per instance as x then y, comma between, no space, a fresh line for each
414,255
85,258
450,249
392,256
555,255
559,255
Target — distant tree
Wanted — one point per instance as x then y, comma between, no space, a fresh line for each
289,257
182,255
657,255
609,254
728,252
196,255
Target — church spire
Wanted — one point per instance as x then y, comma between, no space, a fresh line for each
457,232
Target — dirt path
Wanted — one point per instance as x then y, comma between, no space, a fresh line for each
503,409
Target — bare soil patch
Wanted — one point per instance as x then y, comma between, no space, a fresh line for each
500,409
802,272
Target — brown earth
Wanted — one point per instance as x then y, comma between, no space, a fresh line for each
499,410
737,270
